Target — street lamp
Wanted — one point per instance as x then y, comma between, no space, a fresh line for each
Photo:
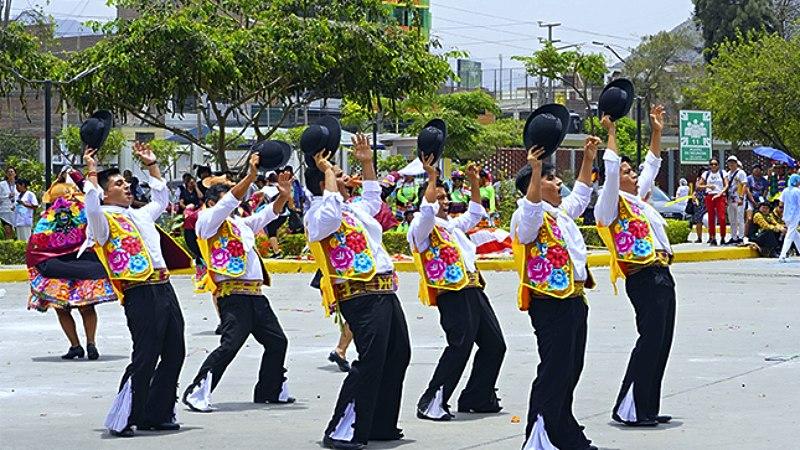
638,107
48,132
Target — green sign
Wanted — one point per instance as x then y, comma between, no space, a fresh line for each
695,137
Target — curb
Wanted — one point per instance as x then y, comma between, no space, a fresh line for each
282,266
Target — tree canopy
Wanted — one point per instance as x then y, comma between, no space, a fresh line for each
71,137
226,56
722,20
753,90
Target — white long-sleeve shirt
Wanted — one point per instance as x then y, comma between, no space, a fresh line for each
420,229
324,216
144,218
791,205
607,206
210,219
529,218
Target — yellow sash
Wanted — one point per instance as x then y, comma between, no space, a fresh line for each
223,254
441,266
629,239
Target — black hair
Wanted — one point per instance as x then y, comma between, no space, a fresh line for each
273,177
313,178
187,176
216,192
289,169
22,181
201,170
424,186
757,166
625,159
765,204
104,175
523,178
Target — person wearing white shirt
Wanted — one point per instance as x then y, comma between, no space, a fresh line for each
147,394
715,183
368,406
641,253
8,193
559,322
242,306
737,193
790,197
467,317
23,210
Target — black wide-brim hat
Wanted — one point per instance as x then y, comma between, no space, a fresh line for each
272,154
95,129
323,135
546,127
616,99
431,139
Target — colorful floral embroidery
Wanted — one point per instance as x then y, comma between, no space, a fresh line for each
62,293
548,268
61,227
125,252
442,263
348,251
633,239
228,256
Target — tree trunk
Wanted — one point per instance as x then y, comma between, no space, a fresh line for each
6,11
221,159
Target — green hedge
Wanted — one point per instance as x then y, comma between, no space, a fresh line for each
12,252
678,231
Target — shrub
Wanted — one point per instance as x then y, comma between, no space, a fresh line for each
396,242
678,231
591,236
12,252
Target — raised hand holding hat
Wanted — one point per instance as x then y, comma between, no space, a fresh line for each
272,154
616,99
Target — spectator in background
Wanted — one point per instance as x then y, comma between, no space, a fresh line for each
408,216
488,196
189,193
8,194
757,189
459,197
790,198
766,231
202,173
271,194
682,194
736,195
406,193
261,181
696,207
23,210
716,185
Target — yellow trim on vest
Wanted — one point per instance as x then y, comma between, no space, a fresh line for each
428,290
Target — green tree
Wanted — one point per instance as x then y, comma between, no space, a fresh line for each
393,162
240,56
460,112
661,68
503,133
722,20
626,136
71,137
14,143
21,55
30,169
579,71
753,91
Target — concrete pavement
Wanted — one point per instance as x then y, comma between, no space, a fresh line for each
732,381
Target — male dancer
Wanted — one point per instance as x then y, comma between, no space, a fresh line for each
551,256
235,275
129,246
636,236
445,258
358,281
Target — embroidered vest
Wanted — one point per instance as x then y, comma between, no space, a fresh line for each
124,255
629,239
544,265
345,255
223,254
441,266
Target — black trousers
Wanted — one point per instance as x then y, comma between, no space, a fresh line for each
652,294
467,318
243,315
156,325
190,237
560,328
374,384
769,242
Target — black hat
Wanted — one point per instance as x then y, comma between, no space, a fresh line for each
431,139
272,154
546,127
524,176
95,129
616,99
323,135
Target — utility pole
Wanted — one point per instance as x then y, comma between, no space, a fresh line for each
550,26
500,84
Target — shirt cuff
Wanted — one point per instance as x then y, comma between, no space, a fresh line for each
335,195
611,156
371,186
476,208
432,206
652,159
157,184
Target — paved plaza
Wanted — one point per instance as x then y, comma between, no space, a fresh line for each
733,380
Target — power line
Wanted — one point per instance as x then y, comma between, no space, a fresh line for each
481,41
488,27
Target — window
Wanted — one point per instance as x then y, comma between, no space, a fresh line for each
144,137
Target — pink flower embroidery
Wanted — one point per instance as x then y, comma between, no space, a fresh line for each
118,261
435,269
449,255
349,220
75,236
539,269
624,242
220,257
556,230
635,209
342,258
57,240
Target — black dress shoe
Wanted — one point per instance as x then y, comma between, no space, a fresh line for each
344,366
91,352
445,418
127,432
663,418
166,426
329,442
592,447
74,352
638,423
395,435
